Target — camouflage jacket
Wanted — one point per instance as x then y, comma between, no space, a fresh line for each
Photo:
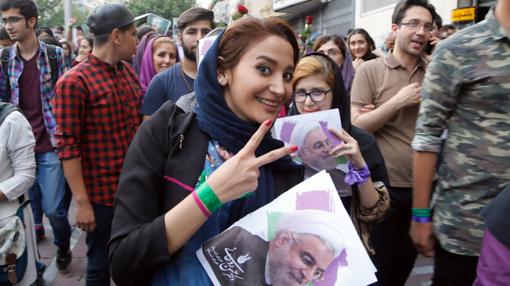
467,91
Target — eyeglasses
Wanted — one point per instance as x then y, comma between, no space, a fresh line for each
11,20
415,25
309,262
330,52
316,95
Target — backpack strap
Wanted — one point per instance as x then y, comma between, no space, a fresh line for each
52,57
5,69
6,109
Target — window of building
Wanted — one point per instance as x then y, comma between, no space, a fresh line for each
464,3
371,5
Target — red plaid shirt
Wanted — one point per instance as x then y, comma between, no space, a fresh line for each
97,108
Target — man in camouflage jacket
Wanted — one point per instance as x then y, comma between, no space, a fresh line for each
466,91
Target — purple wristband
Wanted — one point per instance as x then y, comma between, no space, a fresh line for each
356,176
421,219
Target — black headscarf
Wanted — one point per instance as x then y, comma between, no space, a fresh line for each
366,141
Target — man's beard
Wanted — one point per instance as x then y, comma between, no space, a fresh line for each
189,53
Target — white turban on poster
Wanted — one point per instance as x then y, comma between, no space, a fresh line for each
315,222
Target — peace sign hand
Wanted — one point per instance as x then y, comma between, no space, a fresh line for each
239,174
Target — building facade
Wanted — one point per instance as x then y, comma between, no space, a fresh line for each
330,16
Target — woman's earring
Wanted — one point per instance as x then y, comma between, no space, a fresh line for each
221,80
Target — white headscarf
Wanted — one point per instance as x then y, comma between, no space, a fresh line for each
323,224
301,130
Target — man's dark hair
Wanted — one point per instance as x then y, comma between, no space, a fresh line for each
43,29
27,8
50,41
144,30
3,34
400,10
78,28
438,21
100,40
448,27
194,14
59,28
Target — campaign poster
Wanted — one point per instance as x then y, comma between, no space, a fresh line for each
304,237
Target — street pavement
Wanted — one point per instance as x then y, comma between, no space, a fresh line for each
74,275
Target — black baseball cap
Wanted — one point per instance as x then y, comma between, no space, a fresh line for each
103,19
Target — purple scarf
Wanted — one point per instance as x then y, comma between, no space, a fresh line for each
140,49
348,71
147,70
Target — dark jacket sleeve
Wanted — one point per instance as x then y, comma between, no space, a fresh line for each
372,155
138,240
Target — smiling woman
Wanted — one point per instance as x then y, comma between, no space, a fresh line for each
163,214
361,46
160,54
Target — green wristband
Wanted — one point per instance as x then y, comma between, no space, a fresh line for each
421,212
208,197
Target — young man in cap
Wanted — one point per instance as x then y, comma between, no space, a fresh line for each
97,107
33,68
178,80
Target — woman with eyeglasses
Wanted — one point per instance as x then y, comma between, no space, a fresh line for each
334,47
361,46
318,86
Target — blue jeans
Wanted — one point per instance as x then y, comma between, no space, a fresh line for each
98,273
36,203
49,193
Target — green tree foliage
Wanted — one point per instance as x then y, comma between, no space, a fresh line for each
51,13
165,8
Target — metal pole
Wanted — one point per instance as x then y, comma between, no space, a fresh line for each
67,13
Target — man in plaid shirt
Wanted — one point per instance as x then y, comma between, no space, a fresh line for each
97,106
29,85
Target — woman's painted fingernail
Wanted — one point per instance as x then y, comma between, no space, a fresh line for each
269,122
294,148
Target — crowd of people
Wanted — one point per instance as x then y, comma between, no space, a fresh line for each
161,153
